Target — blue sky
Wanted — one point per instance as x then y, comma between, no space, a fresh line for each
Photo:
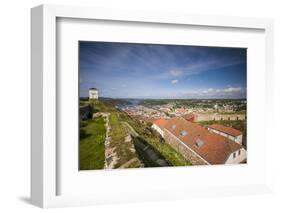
121,70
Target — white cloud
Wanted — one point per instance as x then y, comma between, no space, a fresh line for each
207,91
222,91
176,73
174,81
232,89
229,92
197,67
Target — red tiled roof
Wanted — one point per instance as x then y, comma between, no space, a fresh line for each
225,129
160,122
215,149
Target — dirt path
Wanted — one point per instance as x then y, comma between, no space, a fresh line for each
111,157
132,131
128,163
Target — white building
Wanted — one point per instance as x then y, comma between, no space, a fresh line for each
93,93
237,156
200,146
228,132
159,125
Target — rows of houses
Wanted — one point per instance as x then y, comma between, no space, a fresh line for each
213,116
216,145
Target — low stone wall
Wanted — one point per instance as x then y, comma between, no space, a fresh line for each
217,117
183,150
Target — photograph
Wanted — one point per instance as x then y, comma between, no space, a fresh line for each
161,105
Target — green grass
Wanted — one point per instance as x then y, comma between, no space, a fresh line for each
118,134
83,103
171,155
153,139
91,146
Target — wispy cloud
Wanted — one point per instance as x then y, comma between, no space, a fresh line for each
176,73
174,81
233,89
138,70
230,92
198,67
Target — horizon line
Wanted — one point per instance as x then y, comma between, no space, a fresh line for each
170,98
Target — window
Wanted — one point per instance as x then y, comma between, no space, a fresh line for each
234,155
239,152
199,143
183,133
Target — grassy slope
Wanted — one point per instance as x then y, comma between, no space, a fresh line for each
153,139
91,146
117,133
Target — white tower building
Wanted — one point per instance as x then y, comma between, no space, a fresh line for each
93,93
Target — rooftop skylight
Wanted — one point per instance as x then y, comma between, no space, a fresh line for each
199,143
183,133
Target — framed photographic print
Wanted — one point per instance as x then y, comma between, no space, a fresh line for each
148,105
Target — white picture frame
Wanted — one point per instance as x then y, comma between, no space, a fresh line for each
44,154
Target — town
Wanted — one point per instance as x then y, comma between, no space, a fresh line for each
135,133
196,110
